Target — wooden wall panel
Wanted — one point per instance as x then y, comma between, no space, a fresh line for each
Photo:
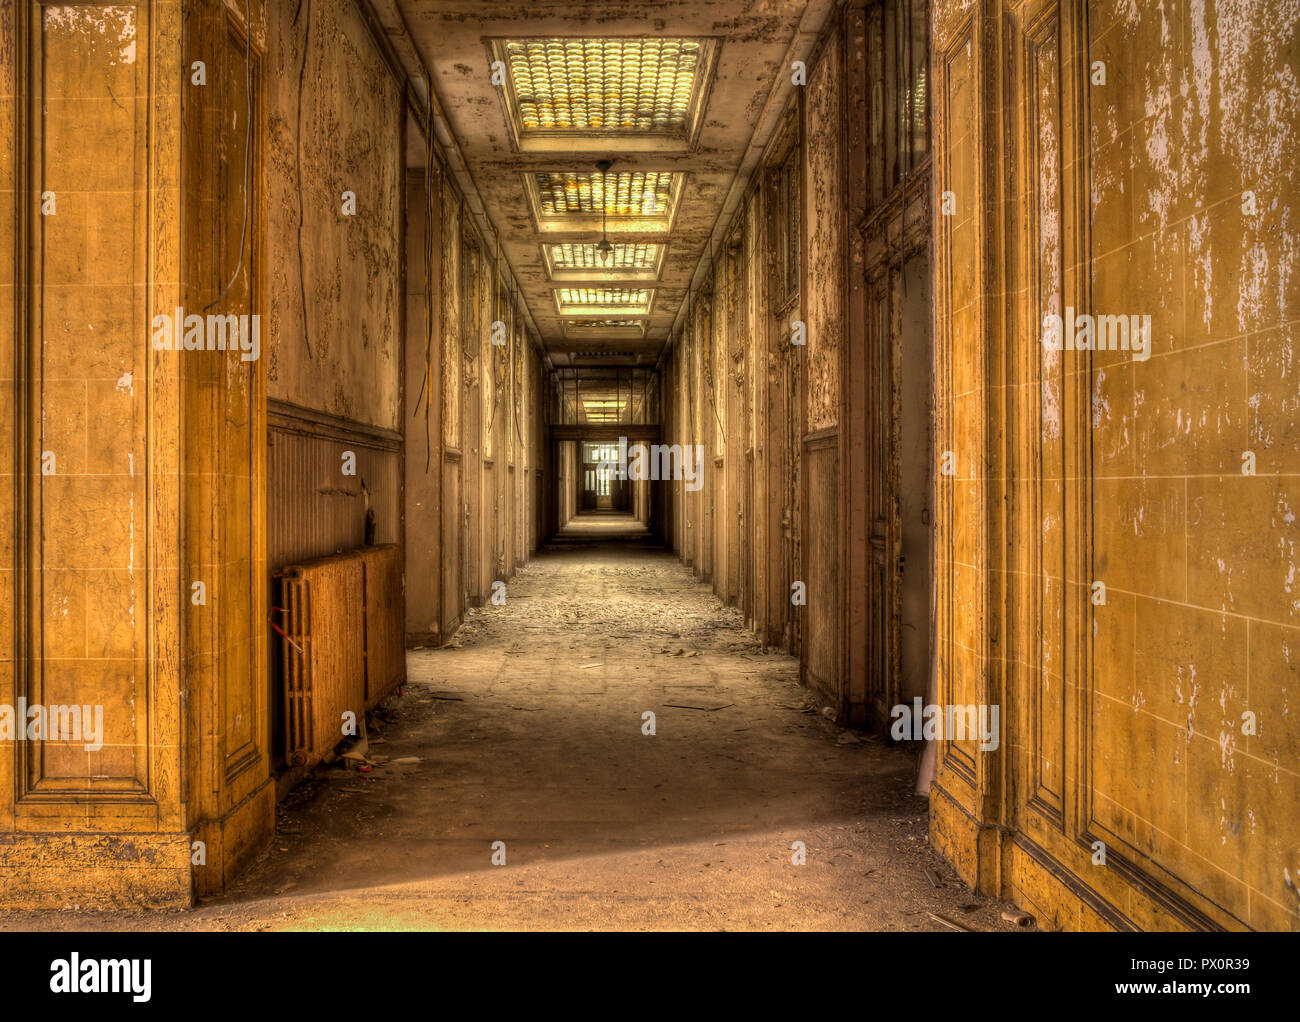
453,562
474,422
754,526
822,300
734,377
821,659
716,452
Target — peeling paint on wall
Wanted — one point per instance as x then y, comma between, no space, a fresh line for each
350,110
824,274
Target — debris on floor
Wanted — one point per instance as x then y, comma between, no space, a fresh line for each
700,706
505,738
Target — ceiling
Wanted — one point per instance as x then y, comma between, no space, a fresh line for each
675,94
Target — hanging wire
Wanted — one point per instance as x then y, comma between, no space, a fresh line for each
514,312
708,351
426,386
302,273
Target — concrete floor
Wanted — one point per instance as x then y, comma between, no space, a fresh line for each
527,730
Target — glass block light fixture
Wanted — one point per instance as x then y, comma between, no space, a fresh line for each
589,300
583,256
646,89
605,203
624,194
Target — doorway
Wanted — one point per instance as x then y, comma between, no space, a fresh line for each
600,487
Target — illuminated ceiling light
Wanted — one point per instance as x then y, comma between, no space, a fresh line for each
583,256
585,300
604,295
647,194
638,201
610,86
605,330
606,410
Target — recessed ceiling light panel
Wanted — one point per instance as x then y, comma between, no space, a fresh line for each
605,329
581,261
617,202
586,301
575,92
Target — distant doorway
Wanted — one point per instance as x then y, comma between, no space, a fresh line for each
600,487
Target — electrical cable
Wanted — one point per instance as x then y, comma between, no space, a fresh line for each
302,270
426,385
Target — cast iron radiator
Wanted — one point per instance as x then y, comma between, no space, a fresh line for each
343,648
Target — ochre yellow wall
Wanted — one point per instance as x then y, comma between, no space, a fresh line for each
334,125
90,579
1124,719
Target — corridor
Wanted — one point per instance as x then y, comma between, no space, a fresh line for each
665,464
528,729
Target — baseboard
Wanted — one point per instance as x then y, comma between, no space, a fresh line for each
232,841
95,871
999,862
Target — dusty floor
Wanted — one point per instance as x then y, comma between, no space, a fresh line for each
528,731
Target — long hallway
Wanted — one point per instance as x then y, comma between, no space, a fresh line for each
653,443
529,729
